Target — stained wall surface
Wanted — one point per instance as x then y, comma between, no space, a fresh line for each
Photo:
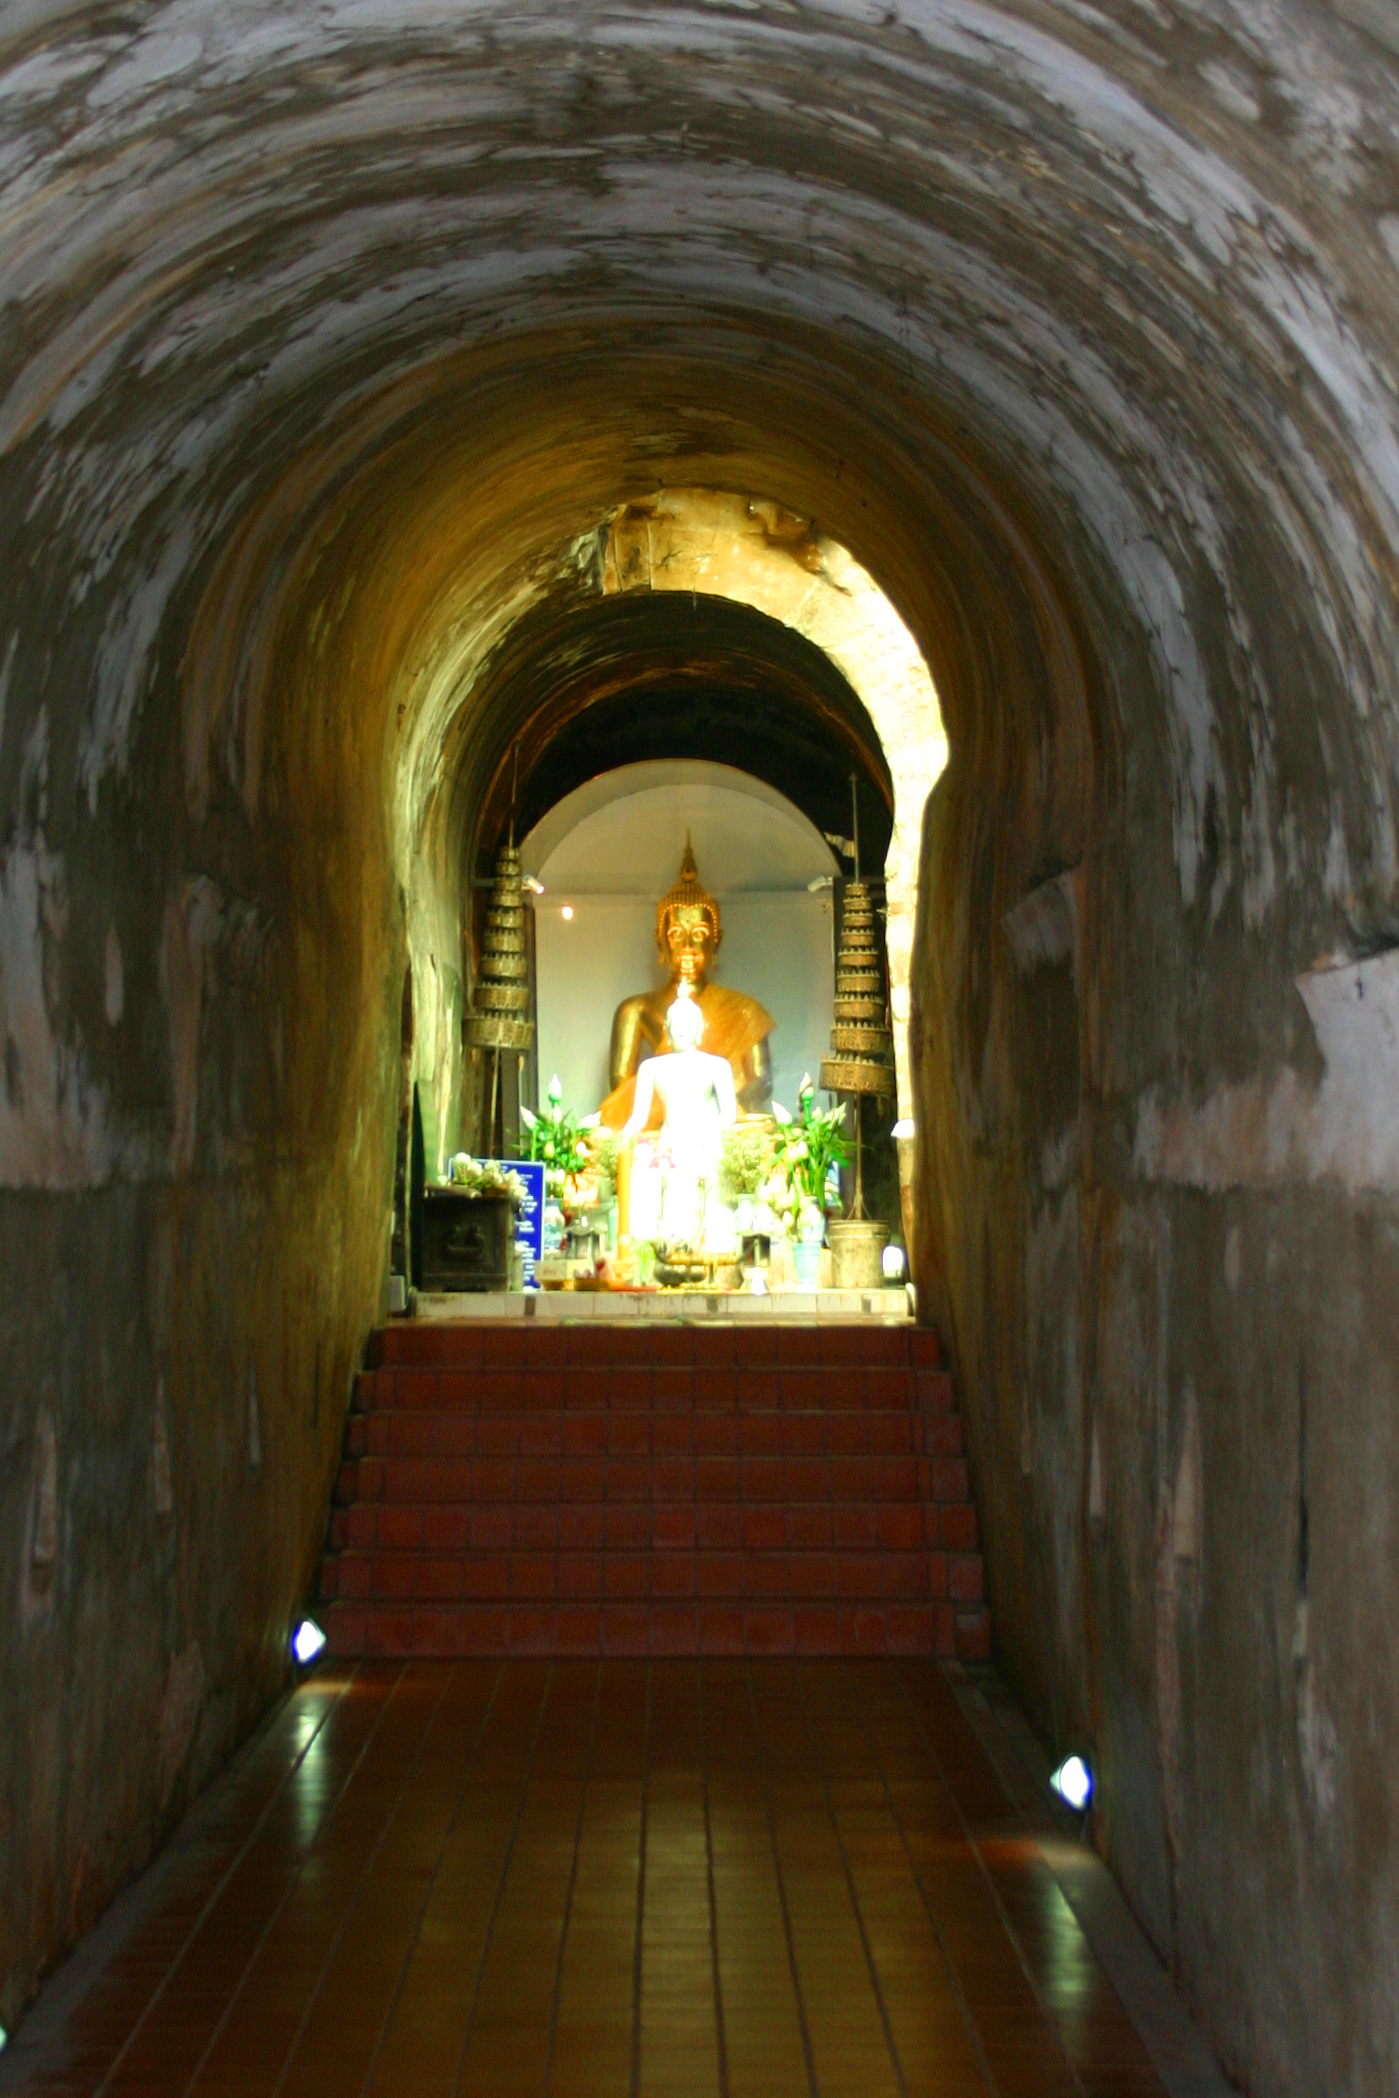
331,336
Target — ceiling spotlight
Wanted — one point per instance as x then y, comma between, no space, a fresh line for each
307,1641
536,888
566,913
822,881
1073,1782
903,1127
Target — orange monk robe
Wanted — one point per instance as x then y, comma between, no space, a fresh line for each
734,1024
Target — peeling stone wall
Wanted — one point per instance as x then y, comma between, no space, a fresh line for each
325,332
191,1225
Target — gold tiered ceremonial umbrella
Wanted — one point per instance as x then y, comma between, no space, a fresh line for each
862,1047
499,1019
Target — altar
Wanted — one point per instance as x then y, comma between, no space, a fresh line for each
892,1305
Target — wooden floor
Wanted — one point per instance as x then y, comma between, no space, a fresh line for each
740,1878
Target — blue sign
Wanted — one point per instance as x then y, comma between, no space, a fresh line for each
529,1217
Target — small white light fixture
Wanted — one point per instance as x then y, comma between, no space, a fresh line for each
894,1263
4,2039
903,1127
1073,1782
535,888
566,913
307,1641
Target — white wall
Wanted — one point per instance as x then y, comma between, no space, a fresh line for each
611,851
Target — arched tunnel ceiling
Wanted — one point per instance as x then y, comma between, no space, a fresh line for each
1126,269
652,675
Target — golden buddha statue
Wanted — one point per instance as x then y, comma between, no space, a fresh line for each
736,1027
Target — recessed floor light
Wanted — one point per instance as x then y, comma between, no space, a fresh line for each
307,1641
1073,1781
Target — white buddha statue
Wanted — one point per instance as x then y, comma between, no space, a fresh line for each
698,1104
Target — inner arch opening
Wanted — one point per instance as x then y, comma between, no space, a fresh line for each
692,625
605,853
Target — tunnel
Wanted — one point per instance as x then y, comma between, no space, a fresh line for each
346,348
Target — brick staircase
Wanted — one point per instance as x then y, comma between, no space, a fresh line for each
650,1488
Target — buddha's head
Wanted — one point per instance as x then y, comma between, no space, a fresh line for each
685,1020
688,931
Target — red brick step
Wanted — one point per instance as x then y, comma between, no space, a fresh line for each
654,1489
397,1630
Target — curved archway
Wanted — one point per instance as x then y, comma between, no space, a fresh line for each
662,675
582,685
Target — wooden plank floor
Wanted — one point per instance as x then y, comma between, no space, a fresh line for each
485,1879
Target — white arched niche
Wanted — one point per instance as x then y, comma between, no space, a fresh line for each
608,852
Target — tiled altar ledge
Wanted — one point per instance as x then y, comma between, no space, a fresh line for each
841,1306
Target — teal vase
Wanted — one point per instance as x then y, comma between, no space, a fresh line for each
807,1261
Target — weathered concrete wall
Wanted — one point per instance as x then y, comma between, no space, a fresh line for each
194,1158
326,332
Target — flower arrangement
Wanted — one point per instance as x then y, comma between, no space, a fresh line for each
746,1161
812,1144
480,1176
602,1151
568,1146
556,1136
779,1172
